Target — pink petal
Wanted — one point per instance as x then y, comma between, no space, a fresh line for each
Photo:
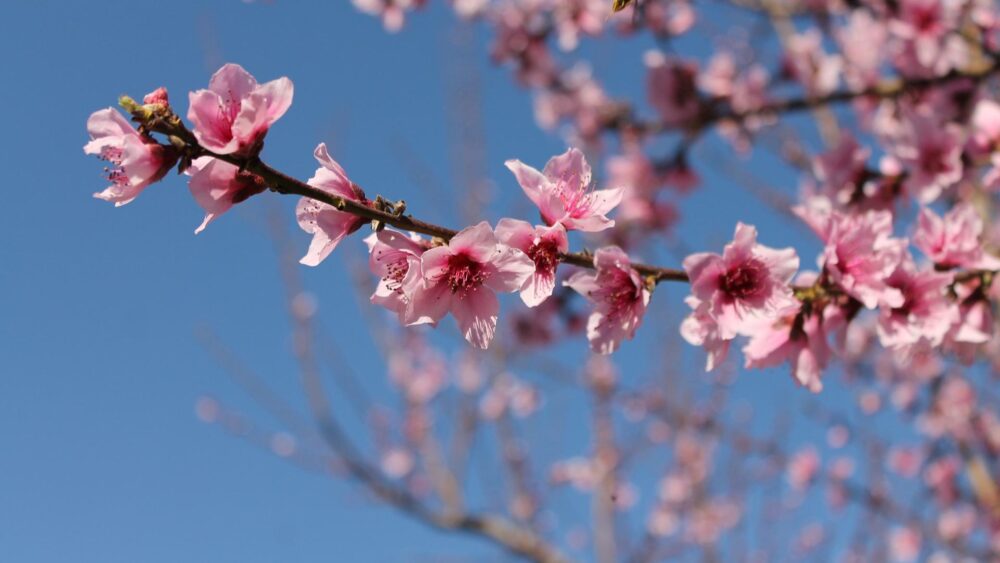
476,313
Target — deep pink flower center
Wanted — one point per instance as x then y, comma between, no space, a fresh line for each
925,18
545,255
395,273
464,274
578,200
745,281
229,108
619,295
116,172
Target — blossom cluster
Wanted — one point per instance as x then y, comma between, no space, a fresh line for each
750,290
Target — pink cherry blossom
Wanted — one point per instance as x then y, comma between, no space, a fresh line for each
701,329
806,63
327,224
985,125
234,113
926,314
135,161
803,467
462,277
860,254
797,336
217,186
672,89
842,170
931,152
747,281
904,544
563,193
862,43
392,12
543,245
576,17
580,100
953,241
395,259
620,297
923,29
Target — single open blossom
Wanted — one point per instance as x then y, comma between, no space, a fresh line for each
953,241
327,224
927,313
620,297
543,245
462,276
395,259
748,280
235,112
931,152
672,89
563,193
926,44
134,161
217,186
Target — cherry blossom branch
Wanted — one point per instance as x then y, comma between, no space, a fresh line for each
887,89
279,182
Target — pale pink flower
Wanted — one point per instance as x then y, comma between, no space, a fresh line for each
796,336
580,100
620,297
563,193
985,127
747,281
234,113
672,89
135,161
842,171
543,245
217,186
931,152
326,223
462,277
701,329
395,259
926,314
719,76
419,370
397,462
861,254
862,44
905,461
923,28
575,17
668,18
806,63
904,544
802,468
392,12
953,241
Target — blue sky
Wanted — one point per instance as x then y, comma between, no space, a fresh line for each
100,308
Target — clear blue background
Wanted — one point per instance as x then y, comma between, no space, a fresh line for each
101,455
